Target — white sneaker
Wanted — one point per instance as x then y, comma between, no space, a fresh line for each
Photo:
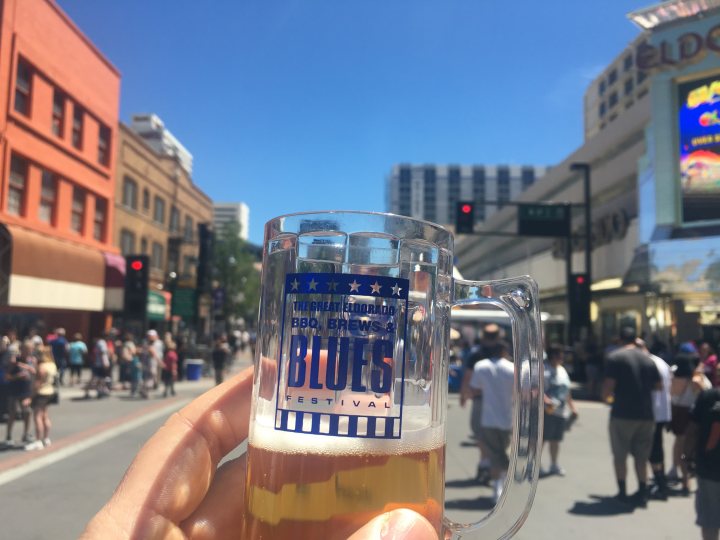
46,442
35,445
556,469
497,489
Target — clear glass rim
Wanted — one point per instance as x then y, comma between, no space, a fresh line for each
432,225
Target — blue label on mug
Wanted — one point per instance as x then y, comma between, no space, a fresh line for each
342,355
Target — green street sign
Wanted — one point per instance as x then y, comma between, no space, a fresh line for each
544,219
183,302
156,306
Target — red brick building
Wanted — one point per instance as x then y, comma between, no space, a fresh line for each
59,101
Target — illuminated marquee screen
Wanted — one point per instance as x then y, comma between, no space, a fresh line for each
699,132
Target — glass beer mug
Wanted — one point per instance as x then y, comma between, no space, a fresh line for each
351,380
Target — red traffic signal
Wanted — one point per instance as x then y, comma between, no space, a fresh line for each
464,217
136,265
466,208
579,280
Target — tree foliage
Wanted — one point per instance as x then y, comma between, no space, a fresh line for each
234,271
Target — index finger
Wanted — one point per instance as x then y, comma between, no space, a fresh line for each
171,474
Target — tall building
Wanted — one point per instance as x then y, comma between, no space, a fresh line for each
431,192
158,211
654,185
232,213
59,98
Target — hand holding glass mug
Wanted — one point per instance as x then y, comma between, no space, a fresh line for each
172,489
349,398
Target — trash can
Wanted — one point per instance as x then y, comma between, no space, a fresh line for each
193,368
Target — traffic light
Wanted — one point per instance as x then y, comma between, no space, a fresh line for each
579,299
465,217
137,271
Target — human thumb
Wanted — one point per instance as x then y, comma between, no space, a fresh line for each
402,524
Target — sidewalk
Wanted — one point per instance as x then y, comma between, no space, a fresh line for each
77,418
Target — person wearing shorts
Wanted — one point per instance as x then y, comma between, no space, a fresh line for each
631,377
558,401
705,434
493,378
19,375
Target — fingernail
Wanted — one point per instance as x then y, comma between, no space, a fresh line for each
404,525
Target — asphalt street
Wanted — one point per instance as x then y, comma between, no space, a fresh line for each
53,493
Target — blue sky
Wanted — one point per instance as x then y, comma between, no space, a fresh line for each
294,105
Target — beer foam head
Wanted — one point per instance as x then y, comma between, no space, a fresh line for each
416,436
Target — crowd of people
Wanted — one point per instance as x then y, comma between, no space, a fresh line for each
33,369
648,395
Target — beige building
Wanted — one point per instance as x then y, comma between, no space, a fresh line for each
158,210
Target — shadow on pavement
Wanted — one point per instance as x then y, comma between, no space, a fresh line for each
478,503
465,483
601,506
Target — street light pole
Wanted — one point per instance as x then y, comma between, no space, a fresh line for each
585,169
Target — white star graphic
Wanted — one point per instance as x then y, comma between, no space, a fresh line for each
354,286
396,289
332,285
294,284
375,288
312,286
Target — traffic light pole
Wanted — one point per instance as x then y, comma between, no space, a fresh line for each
585,169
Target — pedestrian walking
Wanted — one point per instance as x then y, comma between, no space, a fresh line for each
77,350
156,350
19,376
59,345
128,353
220,357
493,378
630,378
685,386
558,405
101,367
709,361
169,371
704,436
662,412
45,394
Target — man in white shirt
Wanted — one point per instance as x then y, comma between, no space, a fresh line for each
493,378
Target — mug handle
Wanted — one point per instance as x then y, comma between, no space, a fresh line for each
519,298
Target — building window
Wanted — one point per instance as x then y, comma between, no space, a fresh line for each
104,145
100,219
159,210
429,195
130,190
479,192
189,229
146,200
23,87
16,189
641,76
188,263
58,113
48,195
601,109
127,242
174,219
527,176
453,192
628,62
143,246
612,101
601,88
503,186
156,258
629,87
78,210
612,77
77,126
404,191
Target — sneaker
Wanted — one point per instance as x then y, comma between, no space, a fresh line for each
640,498
28,439
46,442
621,498
672,475
658,494
556,469
9,443
35,445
